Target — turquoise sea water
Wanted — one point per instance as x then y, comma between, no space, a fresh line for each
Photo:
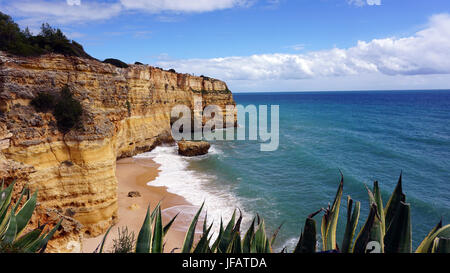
367,135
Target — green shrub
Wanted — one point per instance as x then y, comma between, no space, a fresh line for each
116,62
44,102
138,63
67,110
23,43
125,242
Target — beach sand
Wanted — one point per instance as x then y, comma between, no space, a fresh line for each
133,174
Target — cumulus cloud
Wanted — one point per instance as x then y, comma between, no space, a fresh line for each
181,5
426,52
69,11
35,12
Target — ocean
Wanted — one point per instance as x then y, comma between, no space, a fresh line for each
371,135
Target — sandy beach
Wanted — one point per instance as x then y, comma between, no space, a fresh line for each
133,174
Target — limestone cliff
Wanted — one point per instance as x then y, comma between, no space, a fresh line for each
125,111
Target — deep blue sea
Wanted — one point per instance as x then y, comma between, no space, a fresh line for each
367,135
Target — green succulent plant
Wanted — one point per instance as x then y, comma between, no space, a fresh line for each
387,229
13,221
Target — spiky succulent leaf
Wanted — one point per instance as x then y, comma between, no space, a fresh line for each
102,243
398,238
427,245
330,219
189,239
307,242
25,213
364,234
145,234
248,237
441,245
352,223
393,203
157,238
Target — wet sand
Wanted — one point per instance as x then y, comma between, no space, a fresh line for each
133,174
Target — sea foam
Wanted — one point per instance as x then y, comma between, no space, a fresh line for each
194,186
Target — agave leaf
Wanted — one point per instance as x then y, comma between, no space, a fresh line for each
330,219
5,199
380,209
27,239
5,195
237,244
364,234
393,203
425,240
157,238
352,223
427,244
48,237
275,234
248,237
25,213
376,232
203,244
398,236
11,231
145,235
102,243
189,239
227,235
20,199
216,242
167,227
308,240
441,245
259,241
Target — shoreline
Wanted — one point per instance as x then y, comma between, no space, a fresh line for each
133,174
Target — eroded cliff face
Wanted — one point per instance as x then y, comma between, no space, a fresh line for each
125,112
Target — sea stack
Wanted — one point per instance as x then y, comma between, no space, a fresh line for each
193,148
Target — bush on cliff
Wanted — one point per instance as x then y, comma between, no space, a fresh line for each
67,110
23,43
116,62
44,102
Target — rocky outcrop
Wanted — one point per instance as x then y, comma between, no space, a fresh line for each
125,112
193,148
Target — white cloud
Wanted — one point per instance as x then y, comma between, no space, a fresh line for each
73,2
156,6
426,52
373,2
361,3
36,12
33,13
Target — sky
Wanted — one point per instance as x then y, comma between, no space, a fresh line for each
264,45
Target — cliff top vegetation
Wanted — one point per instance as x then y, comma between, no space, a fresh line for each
23,43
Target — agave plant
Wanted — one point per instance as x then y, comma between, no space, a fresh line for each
13,222
152,233
387,229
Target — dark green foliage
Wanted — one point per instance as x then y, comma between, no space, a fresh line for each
128,104
116,62
67,110
172,70
138,63
44,102
23,43
125,242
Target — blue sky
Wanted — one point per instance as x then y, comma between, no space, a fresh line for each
264,45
